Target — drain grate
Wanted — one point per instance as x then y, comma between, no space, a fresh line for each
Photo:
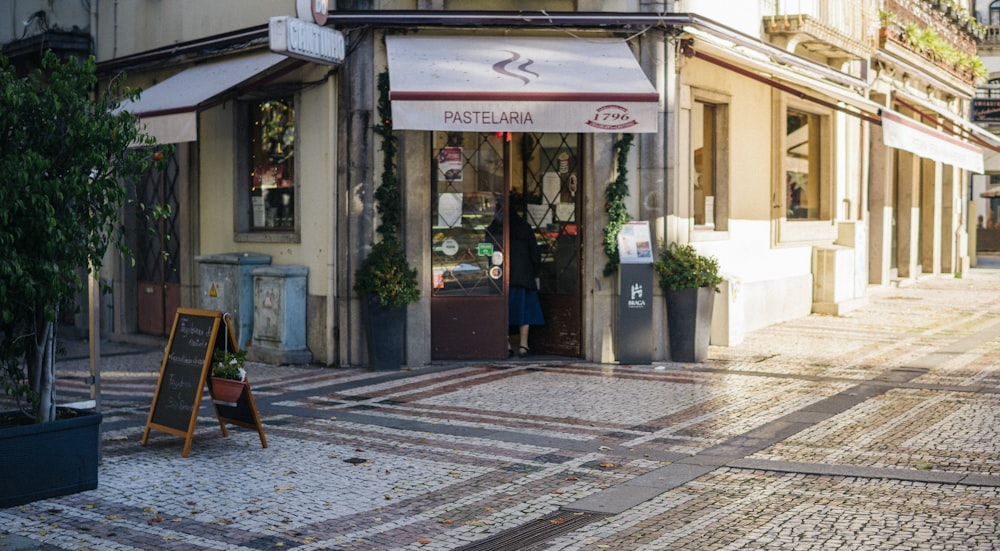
536,531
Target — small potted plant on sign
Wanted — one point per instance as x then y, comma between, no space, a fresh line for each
689,282
228,375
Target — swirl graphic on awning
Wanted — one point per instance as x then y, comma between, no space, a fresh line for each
501,67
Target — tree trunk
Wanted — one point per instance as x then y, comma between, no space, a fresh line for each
41,369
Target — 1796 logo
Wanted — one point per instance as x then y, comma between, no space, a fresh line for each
612,117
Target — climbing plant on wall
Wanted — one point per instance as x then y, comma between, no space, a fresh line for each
615,195
385,271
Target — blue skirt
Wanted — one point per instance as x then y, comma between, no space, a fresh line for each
525,308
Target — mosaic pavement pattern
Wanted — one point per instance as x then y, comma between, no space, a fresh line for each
873,430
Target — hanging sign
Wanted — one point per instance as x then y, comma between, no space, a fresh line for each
304,40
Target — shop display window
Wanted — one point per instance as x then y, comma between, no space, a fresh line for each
272,164
470,172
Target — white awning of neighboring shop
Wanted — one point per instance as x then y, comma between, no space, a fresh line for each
169,109
909,135
518,84
758,66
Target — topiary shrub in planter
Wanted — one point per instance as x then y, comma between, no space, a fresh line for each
689,282
68,154
385,279
389,284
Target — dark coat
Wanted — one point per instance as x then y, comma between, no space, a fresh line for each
524,259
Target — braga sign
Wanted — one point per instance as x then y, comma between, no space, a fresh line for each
304,40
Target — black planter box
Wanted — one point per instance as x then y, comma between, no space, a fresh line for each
689,323
386,335
45,460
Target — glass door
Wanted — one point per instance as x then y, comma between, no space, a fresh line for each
472,174
468,296
547,173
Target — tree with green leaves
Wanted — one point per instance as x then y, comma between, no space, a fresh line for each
67,153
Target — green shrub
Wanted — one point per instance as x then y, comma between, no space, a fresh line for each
681,267
386,274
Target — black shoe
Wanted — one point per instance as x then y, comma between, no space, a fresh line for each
523,351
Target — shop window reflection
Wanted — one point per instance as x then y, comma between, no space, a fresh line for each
802,173
272,156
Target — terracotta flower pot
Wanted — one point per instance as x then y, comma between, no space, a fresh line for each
227,390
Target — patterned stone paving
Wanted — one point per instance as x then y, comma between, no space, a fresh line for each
436,458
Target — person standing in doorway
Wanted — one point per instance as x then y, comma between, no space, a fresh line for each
524,261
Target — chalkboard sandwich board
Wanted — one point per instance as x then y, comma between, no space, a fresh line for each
186,364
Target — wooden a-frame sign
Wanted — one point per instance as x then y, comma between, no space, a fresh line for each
184,373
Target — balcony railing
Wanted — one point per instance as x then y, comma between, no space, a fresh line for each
936,31
991,36
840,29
855,20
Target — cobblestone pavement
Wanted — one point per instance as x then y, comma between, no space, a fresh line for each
873,430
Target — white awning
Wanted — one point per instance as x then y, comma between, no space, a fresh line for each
909,135
518,84
808,85
169,109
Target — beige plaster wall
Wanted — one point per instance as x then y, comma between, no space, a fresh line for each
316,145
750,135
128,27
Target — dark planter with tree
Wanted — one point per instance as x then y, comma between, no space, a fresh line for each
388,285
43,460
66,153
385,279
689,282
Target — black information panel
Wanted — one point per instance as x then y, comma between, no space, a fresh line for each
635,314
182,375
183,372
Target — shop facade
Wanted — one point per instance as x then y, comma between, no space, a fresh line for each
811,155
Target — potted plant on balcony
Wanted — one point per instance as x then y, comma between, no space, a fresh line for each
228,375
689,282
67,153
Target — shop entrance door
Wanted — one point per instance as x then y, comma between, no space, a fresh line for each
157,251
473,173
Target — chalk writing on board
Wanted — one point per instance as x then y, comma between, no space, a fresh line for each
183,374
185,359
